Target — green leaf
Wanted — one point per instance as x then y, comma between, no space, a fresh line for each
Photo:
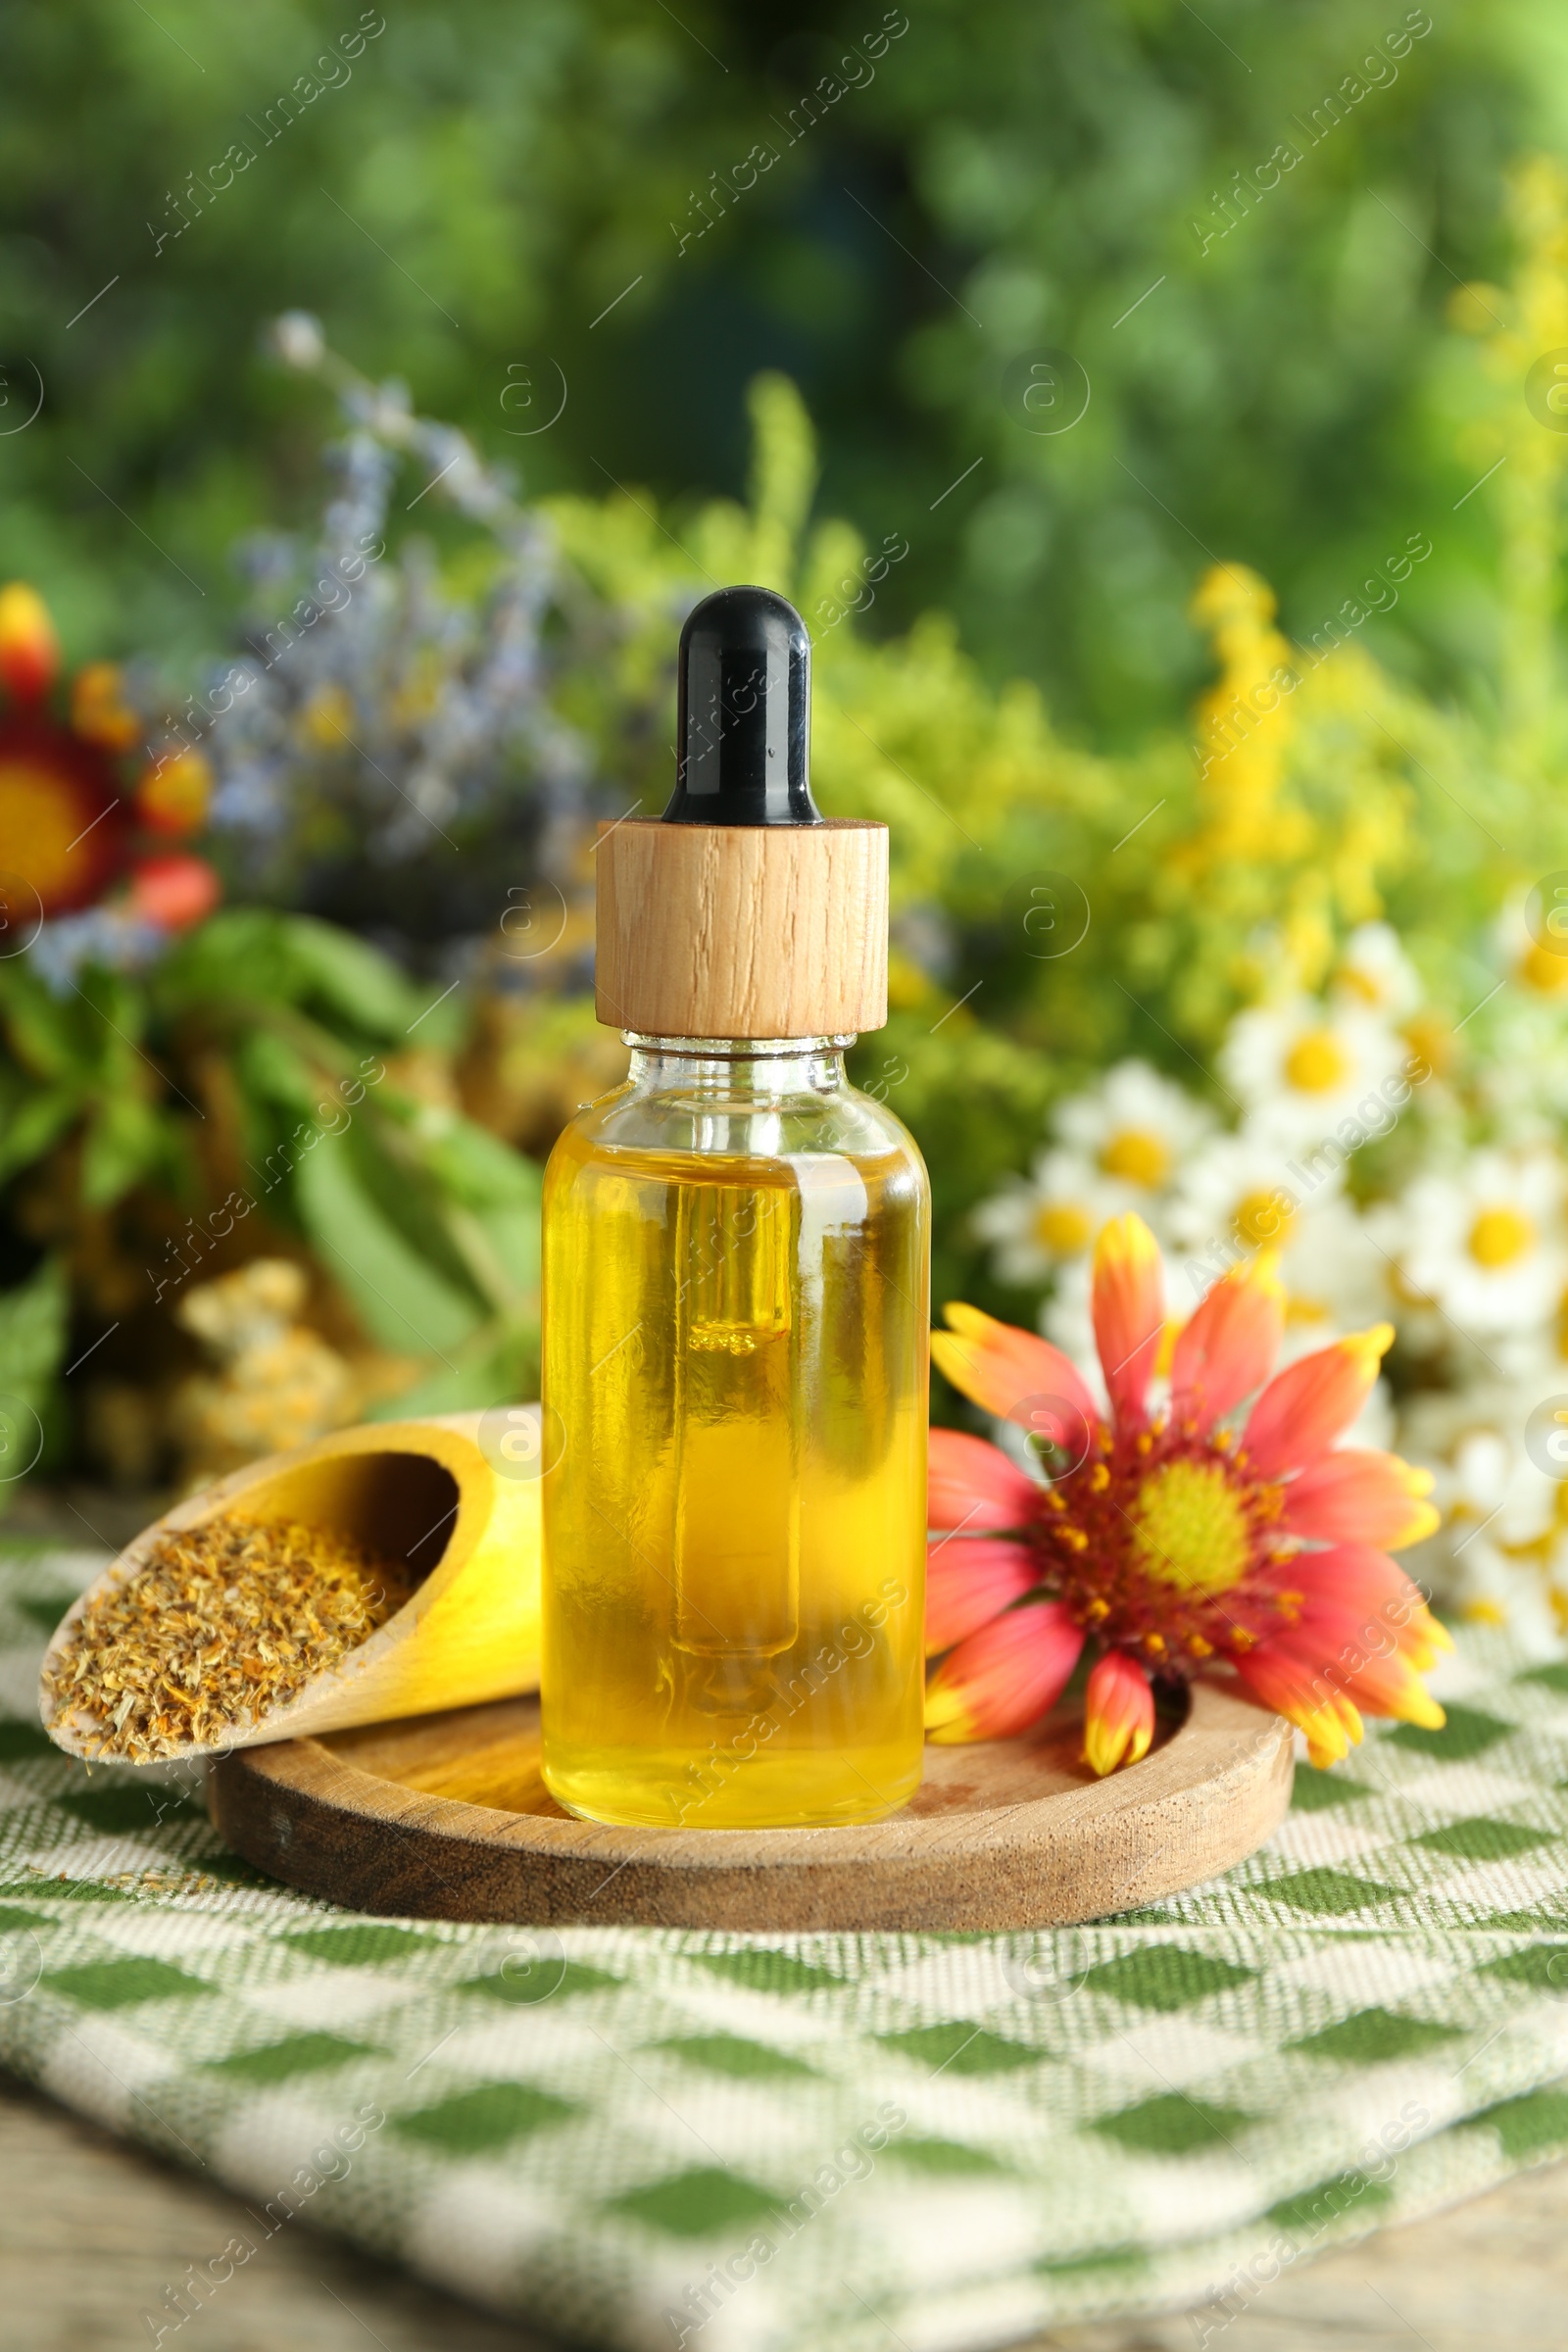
513,1233
472,1165
32,1332
489,1197
275,1073
119,1001
253,955
363,988
391,1167
403,1300
48,1034
39,1123
33,1343
500,1367
125,1141
261,974
236,954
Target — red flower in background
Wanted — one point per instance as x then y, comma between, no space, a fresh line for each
174,892
61,816
62,819
30,649
66,823
1173,1538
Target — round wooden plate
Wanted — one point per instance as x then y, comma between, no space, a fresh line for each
446,1817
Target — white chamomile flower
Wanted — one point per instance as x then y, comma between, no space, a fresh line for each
1240,1194
1473,1440
1049,1219
1375,974
1518,1043
1308,1073
1236,1195
1068,1321
1488,1585
1336,1276
1122,1142
1485,1245
1136,1127
1373,1425
1501,1556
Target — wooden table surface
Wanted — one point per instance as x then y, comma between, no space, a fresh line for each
92,2232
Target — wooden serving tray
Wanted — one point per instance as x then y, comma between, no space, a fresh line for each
446,1817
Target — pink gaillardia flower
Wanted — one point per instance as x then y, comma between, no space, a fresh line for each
1176,1539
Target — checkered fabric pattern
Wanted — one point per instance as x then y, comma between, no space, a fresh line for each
641,2137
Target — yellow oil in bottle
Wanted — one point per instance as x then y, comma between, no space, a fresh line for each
735,1367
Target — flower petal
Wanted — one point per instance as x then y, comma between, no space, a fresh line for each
1392,1687
1015,1375
1227,1347
968,1581
974,1486
30,649
1358,1497
1350,1606
1001,1679
1380,1685
1129,1311
1304,1407
1368,1594
174,892
1354,1642
1330,1721
1352,1628
1118,1713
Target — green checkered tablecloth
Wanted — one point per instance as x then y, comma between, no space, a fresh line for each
645,2138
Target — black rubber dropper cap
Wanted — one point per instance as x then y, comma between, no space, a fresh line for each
743,713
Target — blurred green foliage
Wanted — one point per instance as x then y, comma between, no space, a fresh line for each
478,192
241,1086
468,190
33,1322
1054,908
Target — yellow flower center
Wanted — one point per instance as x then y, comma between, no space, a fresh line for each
1136,1155
1263,1218
1543,969
1063,1227
1317,1062
1189,1527
40,823
1498,1235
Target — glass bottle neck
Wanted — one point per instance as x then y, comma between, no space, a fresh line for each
738,1065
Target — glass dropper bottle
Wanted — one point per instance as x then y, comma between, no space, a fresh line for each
736,1302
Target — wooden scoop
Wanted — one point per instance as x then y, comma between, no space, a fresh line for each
456,1499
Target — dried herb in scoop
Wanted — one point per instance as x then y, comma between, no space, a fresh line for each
219,1625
